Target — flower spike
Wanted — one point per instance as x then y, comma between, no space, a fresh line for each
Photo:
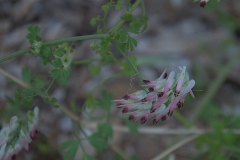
164,95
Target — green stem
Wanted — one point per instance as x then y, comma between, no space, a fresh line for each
143,8
131,64
214,86
15,54
121,22
76,136
85,61
78,38
49,86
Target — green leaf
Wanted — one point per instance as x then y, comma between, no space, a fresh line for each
46,52
64,75
87,157
37,82
138,25
91,101
105,130
93,21
45,60
131,43
94,70
131,126
127,16
105,43
97,141
33,34
106,101
30,28
71,147
122,36
59,52
36,30
55,73
33,29
106,7
31,37
26,74
118,5
57,63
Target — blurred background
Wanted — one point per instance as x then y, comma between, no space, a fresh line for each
180,33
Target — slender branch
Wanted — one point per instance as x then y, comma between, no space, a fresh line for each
175,146
13,78
53,42
14,54
85,61
131,64
78,38
121,22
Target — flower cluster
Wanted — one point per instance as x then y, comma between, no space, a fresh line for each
18,135
162,97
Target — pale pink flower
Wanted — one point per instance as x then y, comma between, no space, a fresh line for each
160,98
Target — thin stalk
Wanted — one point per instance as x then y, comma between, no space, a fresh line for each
14,54
76,136
121,22
78,38
85,61
143,8
50,86
53,42
175,146
131,64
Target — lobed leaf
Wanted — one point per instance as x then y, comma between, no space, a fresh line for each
71,147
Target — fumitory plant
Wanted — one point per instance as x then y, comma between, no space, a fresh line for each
156,100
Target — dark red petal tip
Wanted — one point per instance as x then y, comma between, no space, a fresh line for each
143,120
165,75
14,157
126,97
179,105
131,117
155,121
152,110
150,89
146,81
125,110
119,105
144,100
164,118
170,113
160,94
203,3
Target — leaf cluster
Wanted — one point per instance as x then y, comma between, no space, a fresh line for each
221,144
99,139
32,36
